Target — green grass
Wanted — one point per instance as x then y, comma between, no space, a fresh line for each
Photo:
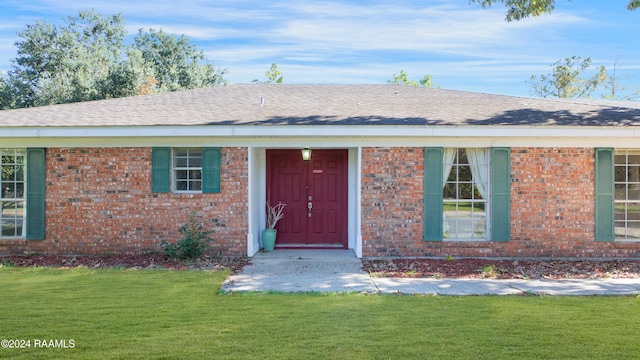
463,207
162,314
630,208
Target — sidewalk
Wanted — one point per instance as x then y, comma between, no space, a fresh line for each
340,271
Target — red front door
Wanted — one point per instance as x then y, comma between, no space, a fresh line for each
315,192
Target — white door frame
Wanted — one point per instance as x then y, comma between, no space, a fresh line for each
257,173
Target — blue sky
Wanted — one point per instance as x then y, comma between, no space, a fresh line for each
461,45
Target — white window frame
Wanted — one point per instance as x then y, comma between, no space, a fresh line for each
188,168
7,197
621,233
448,201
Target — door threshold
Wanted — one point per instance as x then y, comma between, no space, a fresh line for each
310,246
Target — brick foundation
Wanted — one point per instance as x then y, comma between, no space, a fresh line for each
99,201
552,207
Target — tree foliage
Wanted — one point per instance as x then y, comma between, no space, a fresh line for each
403,79
273,76
567,79
86,59
63,64
615,87
521,9
176,64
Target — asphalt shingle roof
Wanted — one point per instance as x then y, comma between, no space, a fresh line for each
325,105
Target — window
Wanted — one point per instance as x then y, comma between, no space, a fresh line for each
191,170
187,169
12,192
627,194
465,194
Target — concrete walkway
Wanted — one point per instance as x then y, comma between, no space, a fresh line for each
340,271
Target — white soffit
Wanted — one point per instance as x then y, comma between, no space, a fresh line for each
283,136
315,131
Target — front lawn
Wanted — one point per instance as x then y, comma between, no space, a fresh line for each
168,314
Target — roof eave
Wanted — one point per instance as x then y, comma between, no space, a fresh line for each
311,131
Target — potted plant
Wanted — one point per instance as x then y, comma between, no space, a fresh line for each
274,214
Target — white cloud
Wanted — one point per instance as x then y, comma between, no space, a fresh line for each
310,32
193,32
355,41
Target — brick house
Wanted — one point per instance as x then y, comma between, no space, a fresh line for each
394,171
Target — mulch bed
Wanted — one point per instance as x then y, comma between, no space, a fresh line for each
503,269
141,261
397,267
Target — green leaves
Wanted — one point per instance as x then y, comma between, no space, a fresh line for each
86,59
403,79
273,76
64,64
175,63
193,243
567,81
522,9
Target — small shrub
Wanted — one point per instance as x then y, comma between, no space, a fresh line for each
489,272
192,244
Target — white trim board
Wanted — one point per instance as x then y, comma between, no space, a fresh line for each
326,142
318,131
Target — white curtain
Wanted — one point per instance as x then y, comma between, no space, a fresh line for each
478,162
447,164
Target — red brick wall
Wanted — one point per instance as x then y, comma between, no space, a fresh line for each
552,201
392,208
552,207
99,201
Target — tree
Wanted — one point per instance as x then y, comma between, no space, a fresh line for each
403,79
273,76
615,90
63,64
8,94
521,9
175,62
131,77
86,59
567,81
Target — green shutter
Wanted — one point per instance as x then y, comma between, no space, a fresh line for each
604,194
211,170
35,194
161,169
433,158
500,194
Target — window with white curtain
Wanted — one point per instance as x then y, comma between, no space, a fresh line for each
466,194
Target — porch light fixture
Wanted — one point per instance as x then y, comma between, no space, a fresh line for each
306,154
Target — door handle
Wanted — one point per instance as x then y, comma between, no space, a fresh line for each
310,206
